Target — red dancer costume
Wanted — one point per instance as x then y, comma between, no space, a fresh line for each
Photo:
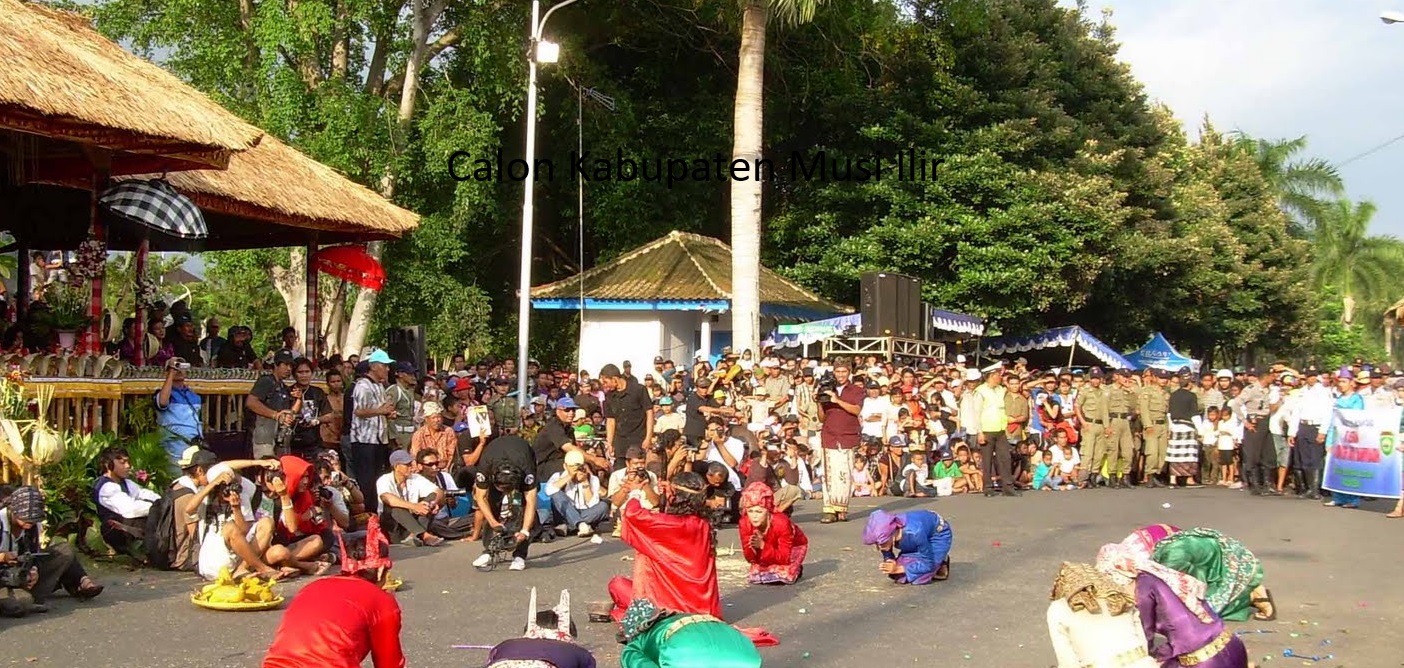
335,622
780,557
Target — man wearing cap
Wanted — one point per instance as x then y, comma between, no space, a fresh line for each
271,404
185,341
1120,449
401,395
991,412
1091,410
369,412
1279,423
506,411
1258,402
21,525
408,501
577,496
1307,432
668,416
1153,405
628,411
557,439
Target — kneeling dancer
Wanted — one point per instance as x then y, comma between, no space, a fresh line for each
915,545
335,622
547,642
659,638
773,544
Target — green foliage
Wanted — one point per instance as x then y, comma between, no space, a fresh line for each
68,306
1338,344
239,291
68,484
119,282
139,416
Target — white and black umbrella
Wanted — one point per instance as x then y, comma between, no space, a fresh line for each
157,205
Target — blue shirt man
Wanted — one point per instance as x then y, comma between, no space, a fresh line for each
177,411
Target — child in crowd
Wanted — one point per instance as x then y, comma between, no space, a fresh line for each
970,468
862,483
1044,475
948,478
916,477
1221,430
1066,460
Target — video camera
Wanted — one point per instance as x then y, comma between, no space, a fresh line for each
825,387
594,445
500,546
16,575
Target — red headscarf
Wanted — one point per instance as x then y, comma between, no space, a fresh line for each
296,469
758,494
374,540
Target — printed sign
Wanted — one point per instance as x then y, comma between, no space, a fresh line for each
1362,453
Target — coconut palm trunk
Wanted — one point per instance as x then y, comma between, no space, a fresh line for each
746,194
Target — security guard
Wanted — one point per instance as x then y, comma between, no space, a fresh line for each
506,412
1091,410
1153,406
1118,446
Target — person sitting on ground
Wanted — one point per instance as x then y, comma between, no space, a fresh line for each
408,501
122,505
576,496
1094,623
915,545
548,641
656,637
916,477
773,544
337,622
302,527
505,494
721,496
21,525
452,520
770,468
231,535
948,479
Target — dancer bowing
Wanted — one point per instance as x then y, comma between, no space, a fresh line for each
547,642
661,638
915,545
774,545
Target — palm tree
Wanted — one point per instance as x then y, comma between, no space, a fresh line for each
1363,268
748,134
1300,183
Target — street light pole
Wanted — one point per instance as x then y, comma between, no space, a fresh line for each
548,54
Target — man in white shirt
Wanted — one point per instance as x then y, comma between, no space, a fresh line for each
875,412
408,502
634,481
122,505
368,414
1307,432
576,497
724,449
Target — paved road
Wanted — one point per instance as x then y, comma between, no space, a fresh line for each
1330,569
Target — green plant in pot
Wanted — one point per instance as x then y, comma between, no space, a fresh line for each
67,311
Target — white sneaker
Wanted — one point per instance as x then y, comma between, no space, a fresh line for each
482,561
583,530
518,564
595,539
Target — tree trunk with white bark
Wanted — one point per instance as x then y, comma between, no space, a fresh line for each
746,194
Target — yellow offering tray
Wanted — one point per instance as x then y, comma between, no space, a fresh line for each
243,606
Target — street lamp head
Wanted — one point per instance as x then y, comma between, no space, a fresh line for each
547,52
1390,16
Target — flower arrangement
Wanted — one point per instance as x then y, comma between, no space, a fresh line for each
147,291
68,307
91,260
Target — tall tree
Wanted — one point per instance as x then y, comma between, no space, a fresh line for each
1364,269
1304,186
748,146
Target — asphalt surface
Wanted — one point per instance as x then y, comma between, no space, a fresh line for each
1332,572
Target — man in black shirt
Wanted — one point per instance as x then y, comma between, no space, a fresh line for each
556,438
700,406
628,411
504,492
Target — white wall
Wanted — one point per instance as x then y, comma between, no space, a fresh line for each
678,340
610,337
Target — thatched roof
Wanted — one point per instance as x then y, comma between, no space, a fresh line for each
276,183
681,267
60,78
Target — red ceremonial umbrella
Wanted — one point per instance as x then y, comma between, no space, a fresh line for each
351,263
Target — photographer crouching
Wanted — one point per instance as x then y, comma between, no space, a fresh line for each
27,575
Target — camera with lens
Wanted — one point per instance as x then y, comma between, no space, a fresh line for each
593,445
457,493
16,575
325,493
825,387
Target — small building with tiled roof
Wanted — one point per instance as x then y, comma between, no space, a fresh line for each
667,298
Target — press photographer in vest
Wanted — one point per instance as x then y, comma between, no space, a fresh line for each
27,575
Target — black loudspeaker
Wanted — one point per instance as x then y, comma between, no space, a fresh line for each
407,344
891,305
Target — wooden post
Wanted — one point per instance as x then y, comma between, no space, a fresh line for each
139,329
102,168
22,283
310,340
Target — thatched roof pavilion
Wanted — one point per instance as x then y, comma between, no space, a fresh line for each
61,80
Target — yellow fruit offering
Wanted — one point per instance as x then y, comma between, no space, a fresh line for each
227,594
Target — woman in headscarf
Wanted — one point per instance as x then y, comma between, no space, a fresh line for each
1093,621
1232,574
21,525
915,545
774,545
1142,541
336,622
655,637
1171,605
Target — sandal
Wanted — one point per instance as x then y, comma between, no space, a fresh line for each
87,589
828,518
843,517
943,571
1271,606
322,568
1394,516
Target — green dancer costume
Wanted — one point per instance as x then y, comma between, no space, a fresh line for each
655,638
1229,570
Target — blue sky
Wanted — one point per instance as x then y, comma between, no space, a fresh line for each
1327,69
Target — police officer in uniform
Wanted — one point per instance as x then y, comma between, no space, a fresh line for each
1153,406
1259,455
1118,446
1091,410
506,412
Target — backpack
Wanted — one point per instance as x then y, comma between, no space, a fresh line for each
160,540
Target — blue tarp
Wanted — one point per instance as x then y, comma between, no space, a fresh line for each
1159,354
803,334
1061,337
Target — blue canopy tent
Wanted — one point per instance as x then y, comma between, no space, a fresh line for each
1159,354
1044,349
